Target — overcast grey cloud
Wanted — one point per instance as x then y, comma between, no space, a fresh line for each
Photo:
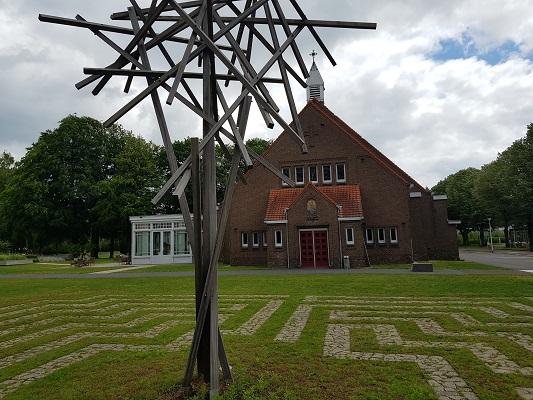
438,87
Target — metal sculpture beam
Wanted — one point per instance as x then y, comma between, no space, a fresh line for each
214,41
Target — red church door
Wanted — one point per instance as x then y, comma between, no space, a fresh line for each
314,251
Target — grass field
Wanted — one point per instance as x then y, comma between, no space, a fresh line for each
287,337
107,264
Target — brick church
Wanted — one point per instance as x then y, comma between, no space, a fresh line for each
351,204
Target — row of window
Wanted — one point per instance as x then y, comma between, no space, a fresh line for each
158,225
163,243
381,235
372,236
311,174
255,236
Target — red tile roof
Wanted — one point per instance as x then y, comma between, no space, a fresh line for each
348,197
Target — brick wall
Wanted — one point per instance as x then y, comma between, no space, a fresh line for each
420,223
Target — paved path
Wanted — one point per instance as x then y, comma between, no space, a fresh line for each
514,260
362,271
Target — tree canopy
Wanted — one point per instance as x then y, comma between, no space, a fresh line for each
80,182
502,190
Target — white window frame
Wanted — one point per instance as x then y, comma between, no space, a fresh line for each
142,244
369,238
278,239
244,240
299,182
324,180
340,180
316,174
395,230
287,174
255,240
264,238
382,239
349,231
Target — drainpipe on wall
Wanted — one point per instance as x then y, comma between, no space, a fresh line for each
287,235
339,208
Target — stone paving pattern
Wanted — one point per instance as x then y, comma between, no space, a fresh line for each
99,319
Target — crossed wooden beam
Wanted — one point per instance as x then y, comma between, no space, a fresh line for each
206,29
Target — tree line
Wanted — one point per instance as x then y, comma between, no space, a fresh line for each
77,186
501,190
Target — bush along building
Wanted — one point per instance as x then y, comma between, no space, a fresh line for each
351,206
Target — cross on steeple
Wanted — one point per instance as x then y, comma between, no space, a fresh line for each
313,54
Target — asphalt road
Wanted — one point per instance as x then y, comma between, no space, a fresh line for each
518,261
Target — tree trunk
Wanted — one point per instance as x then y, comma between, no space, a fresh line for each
482,242
464,234
506,234
530,233
112,246
95,242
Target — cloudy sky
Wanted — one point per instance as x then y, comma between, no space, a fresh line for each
438,87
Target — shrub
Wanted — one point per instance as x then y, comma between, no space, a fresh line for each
5,247
9,257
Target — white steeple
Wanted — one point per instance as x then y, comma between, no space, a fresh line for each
315,83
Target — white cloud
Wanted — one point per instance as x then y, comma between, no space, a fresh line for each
430,117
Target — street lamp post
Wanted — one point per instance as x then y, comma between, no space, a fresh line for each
490,233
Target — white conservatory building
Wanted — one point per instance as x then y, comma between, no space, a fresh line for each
159,239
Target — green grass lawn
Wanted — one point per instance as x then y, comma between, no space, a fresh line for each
107,264
44,322
444,265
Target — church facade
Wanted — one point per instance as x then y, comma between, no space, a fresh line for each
352,206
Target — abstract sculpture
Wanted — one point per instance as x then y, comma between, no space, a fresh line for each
222,36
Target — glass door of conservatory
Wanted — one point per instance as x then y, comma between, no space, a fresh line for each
162,247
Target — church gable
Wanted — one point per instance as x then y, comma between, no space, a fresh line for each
332,141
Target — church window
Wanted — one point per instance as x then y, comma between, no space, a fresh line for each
381,236
313,174
341,173
299,174
287,172
350,240
326,173
393,234
369,235
278,239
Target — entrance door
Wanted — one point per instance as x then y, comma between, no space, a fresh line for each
314,251
161,245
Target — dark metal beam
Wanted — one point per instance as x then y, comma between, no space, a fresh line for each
158,74
315,23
